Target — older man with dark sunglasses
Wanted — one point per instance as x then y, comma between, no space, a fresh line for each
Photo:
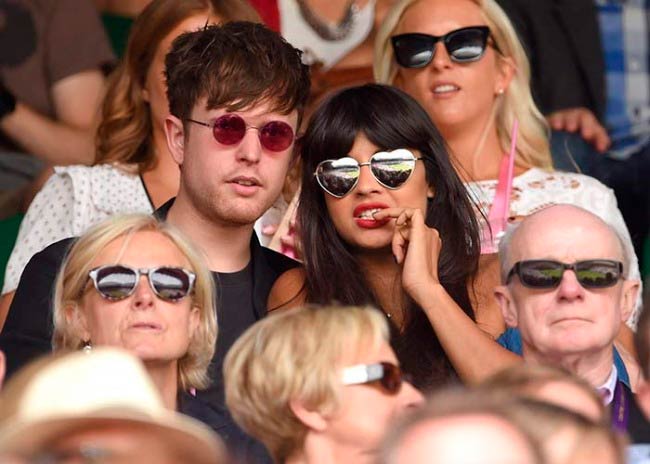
565,288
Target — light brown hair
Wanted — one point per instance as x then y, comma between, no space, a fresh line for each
125,132
294,354
72,280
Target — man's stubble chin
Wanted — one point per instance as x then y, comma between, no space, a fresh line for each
236,212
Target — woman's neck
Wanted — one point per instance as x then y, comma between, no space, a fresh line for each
165,378
383,275
163,179
475,151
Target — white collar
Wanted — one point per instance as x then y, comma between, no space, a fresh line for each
607,388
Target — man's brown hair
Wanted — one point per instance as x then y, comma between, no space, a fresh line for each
235,66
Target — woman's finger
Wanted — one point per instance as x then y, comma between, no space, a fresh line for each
399,244
404,219
388,213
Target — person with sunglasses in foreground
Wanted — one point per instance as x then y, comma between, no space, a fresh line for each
566,287
137,283
462,61
385,221
131,161
318,384
231,172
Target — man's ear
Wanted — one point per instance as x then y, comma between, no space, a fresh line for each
629,297
314,420
175,134
508,309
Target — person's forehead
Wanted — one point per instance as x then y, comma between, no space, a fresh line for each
445,437
565,238
367,351
262,110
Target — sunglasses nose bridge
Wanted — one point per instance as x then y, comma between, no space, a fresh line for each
569,285
250,147
143,293
367,181
440,56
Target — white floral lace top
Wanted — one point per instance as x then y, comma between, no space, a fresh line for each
537,189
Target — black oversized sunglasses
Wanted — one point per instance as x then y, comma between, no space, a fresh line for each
387,375
415,50
391,169
118,282
545,274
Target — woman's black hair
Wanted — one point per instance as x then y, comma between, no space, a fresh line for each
390,119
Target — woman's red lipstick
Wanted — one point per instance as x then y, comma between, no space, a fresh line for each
367,221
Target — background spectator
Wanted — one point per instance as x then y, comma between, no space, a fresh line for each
475,100
228,180
51,84
168,321
551,384
111,408
565,288
599,102
565,436
133,170
458,427
315,402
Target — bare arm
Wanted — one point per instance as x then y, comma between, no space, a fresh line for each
288,291
70,138
474,354
5,303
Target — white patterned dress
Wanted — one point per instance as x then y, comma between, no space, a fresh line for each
73,199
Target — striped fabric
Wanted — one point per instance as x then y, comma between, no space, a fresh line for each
624,30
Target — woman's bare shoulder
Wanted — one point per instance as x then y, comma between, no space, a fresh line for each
288,291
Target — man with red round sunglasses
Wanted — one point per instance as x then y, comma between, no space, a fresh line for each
236,93
565,288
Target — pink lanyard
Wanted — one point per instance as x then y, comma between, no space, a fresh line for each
497,220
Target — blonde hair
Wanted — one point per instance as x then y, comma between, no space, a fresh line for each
526,379
72,280
294,355
125,133
543,421
454,402
516,103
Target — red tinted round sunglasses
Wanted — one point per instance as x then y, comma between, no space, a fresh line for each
230,129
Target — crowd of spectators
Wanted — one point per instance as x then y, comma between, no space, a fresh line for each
455,210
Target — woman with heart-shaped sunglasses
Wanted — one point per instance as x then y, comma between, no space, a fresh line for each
385,220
